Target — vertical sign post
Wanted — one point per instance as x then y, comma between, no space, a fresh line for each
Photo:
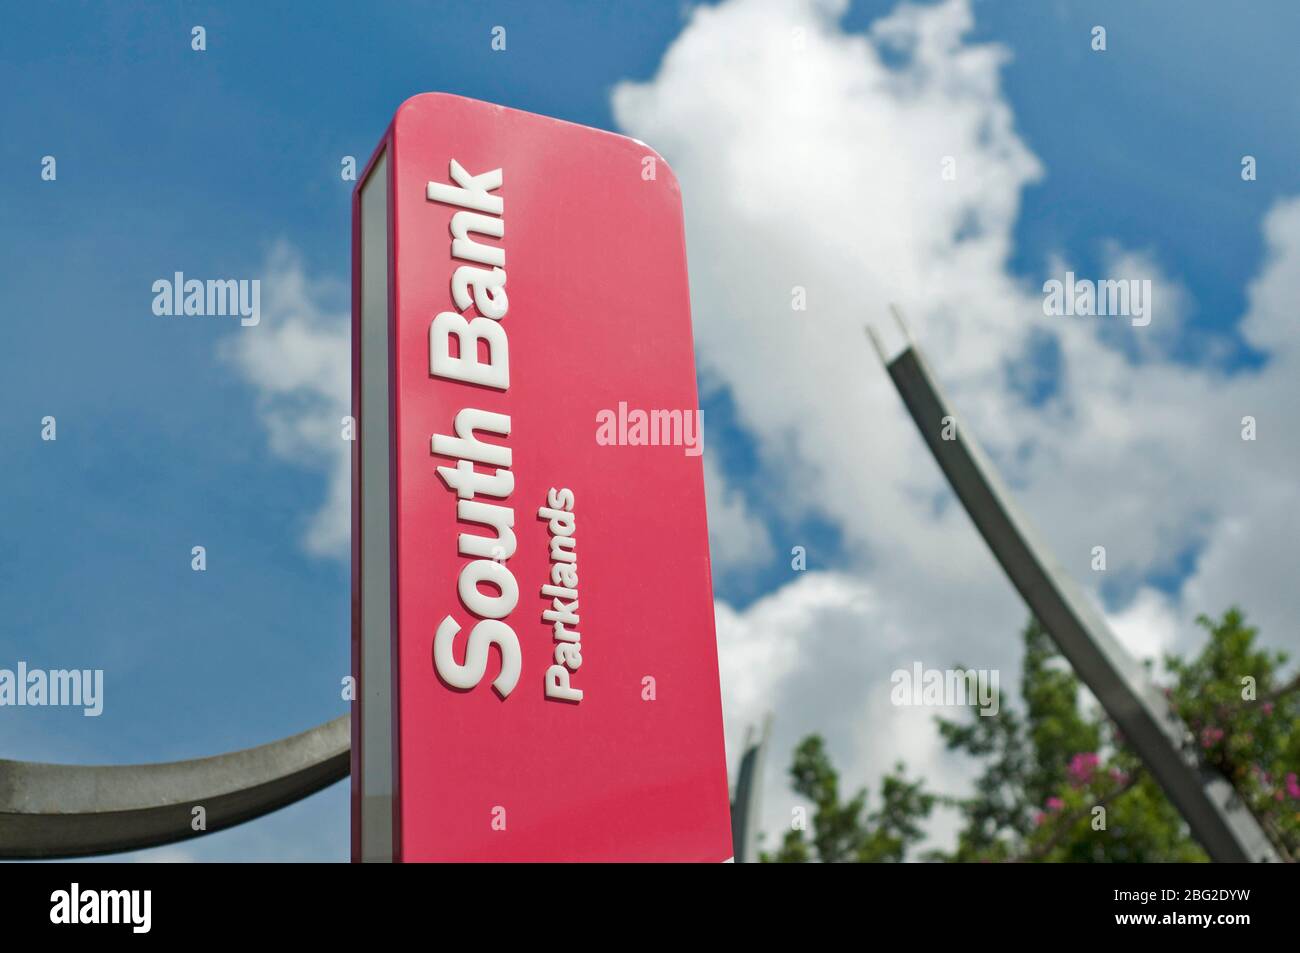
533,615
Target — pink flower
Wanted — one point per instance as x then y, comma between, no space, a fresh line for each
1081,768
1055,804
1268,708
1293,786
1039,818
1210,737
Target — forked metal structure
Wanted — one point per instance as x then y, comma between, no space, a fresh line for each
1215,813
64,810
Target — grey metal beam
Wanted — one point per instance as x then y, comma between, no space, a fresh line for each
63,810
745,816
1213,810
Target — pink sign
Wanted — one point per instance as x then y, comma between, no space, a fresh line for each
533,615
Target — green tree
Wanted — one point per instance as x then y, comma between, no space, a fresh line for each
845,832
1060,784
1246,722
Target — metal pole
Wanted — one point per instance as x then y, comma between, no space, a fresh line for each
1215,812
745,816
65,810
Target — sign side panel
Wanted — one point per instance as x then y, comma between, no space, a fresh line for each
375,540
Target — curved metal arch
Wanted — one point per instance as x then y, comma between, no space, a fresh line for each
1216,814
65,810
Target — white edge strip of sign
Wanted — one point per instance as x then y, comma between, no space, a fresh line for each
376,754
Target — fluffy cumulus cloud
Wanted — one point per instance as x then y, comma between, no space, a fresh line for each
738,538
818,656
814,159
298,360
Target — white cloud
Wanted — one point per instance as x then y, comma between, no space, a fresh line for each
738,539
1148,626
806,159
818,654
299,361
1254,546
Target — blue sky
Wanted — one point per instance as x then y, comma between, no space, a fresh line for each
174,160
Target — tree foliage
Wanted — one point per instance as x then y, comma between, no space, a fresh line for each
1059,783
844,831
